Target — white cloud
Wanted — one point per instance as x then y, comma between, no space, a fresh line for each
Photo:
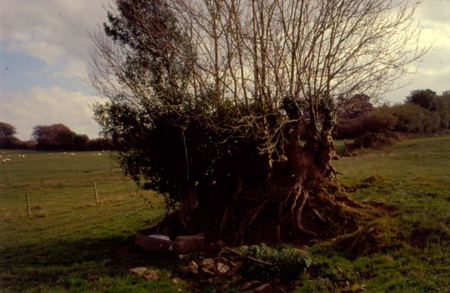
40,49
55,31
72,69
48,106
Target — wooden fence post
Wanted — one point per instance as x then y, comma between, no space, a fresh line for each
345,148
28,205
96,194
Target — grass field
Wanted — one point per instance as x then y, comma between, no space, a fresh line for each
72,244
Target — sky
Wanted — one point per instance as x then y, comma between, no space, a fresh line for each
44,61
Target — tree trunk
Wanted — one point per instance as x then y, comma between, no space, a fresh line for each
311,165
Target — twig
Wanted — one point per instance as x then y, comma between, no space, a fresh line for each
249,257
257,212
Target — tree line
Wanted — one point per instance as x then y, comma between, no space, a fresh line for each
55,137
423,112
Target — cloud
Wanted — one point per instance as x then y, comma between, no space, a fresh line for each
52,30
46,106
72,69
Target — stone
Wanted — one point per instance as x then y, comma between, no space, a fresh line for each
183,244
192,268
222,268
208,263
151,275
154,242
176,280
210,281
249,285
265,288
206,273
140,271
235,278
223,260
235,268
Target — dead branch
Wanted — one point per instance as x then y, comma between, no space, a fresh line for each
249,257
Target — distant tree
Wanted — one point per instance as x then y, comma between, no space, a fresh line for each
357,105
47,131
9,142
446,96
411,118
380,121
423,98
430,101
99,144
65,139
7,129
80,141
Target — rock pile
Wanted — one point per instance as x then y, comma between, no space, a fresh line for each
224,273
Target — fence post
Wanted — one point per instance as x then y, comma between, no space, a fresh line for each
345,148
28,205
96,194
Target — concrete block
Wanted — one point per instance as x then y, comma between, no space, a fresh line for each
154,242
183,244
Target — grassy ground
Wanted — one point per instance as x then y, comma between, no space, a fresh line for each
72,244
405,248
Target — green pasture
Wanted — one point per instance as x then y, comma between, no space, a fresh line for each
69,243
72,244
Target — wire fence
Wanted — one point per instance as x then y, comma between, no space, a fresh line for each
33,176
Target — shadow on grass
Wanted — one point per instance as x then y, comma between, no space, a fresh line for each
82,265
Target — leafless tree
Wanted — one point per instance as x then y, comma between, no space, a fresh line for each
310,54
282,67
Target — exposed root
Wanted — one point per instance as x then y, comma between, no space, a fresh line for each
300,212
257,212
224,218
332,197
345,198
319,216
297,190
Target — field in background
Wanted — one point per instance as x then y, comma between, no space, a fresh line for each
69,240
72,244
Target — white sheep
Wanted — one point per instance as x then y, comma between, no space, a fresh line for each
64,153
99,154
72,155
23,156
8,160
4,161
